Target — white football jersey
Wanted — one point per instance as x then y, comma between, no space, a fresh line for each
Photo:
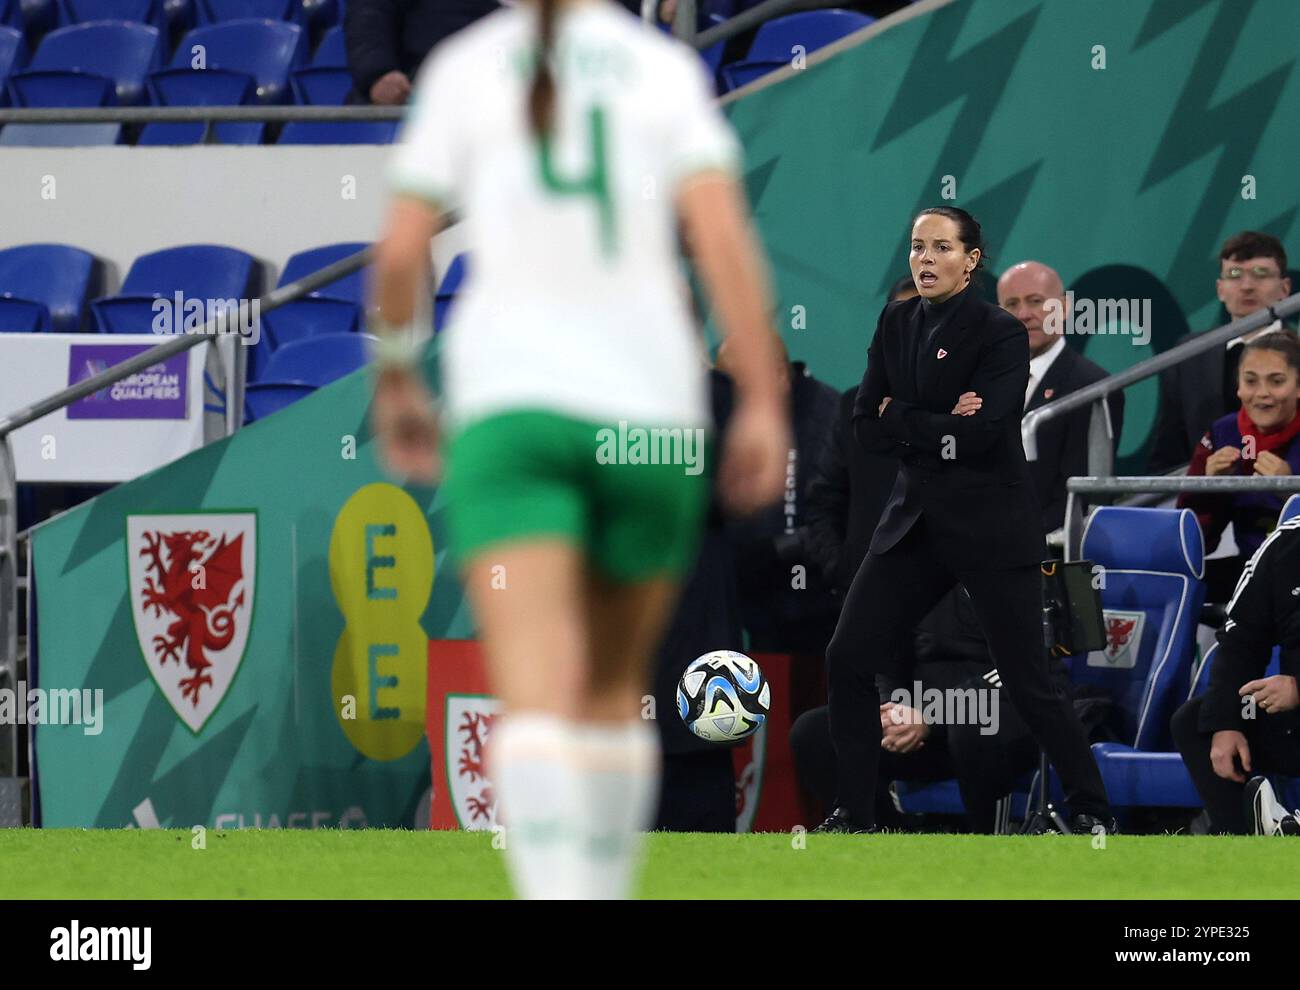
573,301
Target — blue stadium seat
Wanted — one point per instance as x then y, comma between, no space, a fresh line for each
84,65
196,271
778,40
263,398
247,62
327,81
13,56
339,132
350,289
46,287
9,16
217,11
1153,563
90,65
262,51
713,54
944,797
333,49
332,309
447,289
318,361
315,15
140,11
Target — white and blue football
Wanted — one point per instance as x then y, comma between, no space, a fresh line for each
723,696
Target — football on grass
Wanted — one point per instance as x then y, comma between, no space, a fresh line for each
723,696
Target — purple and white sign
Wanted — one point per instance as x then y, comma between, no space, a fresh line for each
157,392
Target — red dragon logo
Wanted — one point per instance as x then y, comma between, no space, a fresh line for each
475,727
204,614
1117,633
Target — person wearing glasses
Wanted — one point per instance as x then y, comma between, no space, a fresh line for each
1199,391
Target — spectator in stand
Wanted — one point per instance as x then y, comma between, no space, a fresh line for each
1027,291
1258,439
1252,275
787,606
388,39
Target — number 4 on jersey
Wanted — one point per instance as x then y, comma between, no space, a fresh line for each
594,183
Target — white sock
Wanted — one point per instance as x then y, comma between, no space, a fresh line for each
620,765
534,770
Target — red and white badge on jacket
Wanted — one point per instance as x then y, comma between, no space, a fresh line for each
942,354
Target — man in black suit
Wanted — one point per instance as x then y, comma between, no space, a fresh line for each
1252,275
388,39
943,392
1025,291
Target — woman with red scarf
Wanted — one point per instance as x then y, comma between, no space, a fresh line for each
1258,439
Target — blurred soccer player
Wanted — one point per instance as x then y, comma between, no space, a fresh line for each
575,142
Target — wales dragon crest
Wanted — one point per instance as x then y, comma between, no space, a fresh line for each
192,585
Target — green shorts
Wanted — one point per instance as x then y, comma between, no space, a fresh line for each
633,500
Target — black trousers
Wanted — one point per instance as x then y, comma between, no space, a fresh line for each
698,792
889,595
1274,742
986,766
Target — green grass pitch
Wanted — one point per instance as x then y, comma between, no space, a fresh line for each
130,864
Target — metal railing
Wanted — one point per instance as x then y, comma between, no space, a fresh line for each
189,115
685,27
1100,447
9,536
1106,489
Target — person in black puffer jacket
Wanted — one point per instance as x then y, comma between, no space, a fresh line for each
388,39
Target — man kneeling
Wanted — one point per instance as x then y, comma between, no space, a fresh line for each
1246,724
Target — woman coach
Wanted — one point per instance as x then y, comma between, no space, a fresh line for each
944,389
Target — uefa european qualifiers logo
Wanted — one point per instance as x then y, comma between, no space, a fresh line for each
159,391
192,584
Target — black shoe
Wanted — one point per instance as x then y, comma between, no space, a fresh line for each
1265,814
1092,825
838,822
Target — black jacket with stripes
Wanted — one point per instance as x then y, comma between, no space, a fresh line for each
1264,612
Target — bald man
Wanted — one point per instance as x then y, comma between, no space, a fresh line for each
1055,369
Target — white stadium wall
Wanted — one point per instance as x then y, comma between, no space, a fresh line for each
121,202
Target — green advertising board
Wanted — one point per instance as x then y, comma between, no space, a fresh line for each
1119,141
257,617
257,614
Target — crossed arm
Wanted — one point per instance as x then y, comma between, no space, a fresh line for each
882,422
